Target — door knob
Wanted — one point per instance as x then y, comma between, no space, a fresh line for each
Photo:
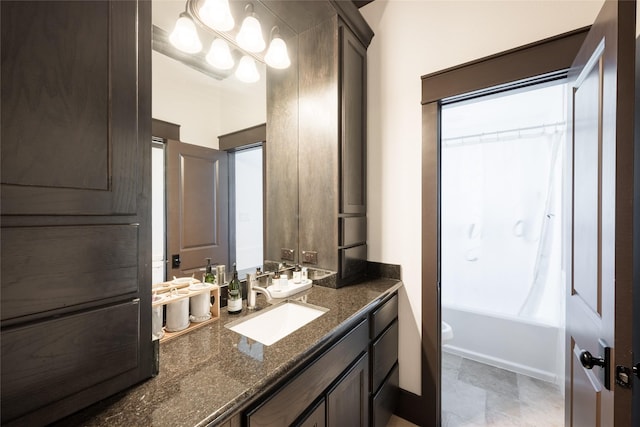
175,261
588,361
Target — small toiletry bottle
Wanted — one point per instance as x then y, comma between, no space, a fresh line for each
208,274
276,278
220,275
305,274
297,274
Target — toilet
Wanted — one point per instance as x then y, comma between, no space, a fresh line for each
447,332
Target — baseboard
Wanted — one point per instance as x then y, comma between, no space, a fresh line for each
501,363
410,407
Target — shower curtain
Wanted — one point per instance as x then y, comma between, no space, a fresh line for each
501,223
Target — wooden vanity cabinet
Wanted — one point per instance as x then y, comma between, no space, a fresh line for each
333,197
76,138
328,142
336,387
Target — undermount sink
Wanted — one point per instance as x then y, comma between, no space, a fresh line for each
276,322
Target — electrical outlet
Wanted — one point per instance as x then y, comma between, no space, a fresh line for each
310,257
287,254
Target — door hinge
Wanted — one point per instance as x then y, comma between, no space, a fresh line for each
624,374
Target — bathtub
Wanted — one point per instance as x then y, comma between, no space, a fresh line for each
517,345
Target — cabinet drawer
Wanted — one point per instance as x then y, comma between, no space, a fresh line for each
316,418
48,361
385,400
353,230
89,263
384,355
291,400
353,261
383,316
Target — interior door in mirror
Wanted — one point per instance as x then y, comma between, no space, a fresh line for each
197,208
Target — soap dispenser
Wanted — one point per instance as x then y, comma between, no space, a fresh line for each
208,274
297,274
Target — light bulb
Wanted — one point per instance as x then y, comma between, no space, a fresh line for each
184,36
219,55
216,14
247,71
277,55
250,35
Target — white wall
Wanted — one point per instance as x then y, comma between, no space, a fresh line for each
414,38
204,107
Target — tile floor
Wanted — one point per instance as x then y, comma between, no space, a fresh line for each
396,421
475,394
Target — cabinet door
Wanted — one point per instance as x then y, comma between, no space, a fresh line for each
75,184
353,79
48,361
315,418
348,401
69,120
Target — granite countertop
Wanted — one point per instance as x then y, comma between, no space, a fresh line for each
212,372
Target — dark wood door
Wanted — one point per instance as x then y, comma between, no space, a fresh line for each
348,401
600,250
197,207
75,275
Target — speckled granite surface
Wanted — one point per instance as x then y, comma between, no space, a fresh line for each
212,372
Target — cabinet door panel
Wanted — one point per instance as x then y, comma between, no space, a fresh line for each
69,107
45,268
384,402
316,418
353,230
45,362
353,80
348,401
384,355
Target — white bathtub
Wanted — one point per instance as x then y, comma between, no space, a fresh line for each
517,345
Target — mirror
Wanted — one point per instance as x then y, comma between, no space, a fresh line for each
205,107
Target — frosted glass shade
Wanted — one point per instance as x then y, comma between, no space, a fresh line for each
219,55
216,14
250,36
184,35
247,71
277,55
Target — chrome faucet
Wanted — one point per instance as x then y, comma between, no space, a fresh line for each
253,289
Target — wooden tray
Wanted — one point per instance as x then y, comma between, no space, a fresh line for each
185,292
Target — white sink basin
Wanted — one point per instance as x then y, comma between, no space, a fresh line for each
276,322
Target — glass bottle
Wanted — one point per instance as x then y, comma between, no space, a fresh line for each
208,275
234,294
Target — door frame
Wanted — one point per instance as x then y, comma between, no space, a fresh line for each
546,59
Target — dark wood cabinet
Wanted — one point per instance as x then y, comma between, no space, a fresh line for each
353,124
333,92
348,400
383,352
75,188
354,382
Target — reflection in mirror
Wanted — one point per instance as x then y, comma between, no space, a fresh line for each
204,107
246,191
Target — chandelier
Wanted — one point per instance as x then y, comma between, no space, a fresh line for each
215,16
